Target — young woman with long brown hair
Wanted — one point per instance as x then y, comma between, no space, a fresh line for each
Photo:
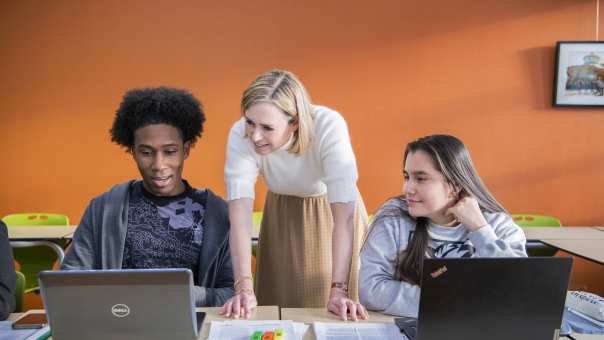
445,211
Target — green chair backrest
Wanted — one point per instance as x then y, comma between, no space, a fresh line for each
531,220
19,292
256,223
35,219
36,258
256,220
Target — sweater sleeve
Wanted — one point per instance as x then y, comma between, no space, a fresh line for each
501,237
378,290
241,168
222,290
217,283
337,158
82,253
8,277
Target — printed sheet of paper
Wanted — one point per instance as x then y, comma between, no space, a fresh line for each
357,331
243,329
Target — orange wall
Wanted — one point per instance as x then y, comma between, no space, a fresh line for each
397,70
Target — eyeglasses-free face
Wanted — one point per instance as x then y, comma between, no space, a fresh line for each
268,128
159,153
427,192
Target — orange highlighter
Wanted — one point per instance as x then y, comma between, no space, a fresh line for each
268,336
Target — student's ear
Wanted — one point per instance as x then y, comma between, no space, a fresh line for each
454,191
460,193
187,148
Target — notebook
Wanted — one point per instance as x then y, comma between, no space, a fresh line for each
490,298
120,304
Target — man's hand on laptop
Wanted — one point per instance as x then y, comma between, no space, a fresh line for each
241,304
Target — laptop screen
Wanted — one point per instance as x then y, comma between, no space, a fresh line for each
120,304
492,298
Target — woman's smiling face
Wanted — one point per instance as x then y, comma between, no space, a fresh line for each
268,127
427,192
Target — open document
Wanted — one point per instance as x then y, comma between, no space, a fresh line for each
356,331
243,329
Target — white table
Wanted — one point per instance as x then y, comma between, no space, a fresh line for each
585,242
592,250
562,233
38,232
260,313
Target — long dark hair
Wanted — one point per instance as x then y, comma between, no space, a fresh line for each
451,158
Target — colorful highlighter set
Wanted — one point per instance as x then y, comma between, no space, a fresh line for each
278,334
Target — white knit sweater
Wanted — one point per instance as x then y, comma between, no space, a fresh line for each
328,165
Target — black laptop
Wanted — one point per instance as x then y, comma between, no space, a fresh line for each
129,304
490,298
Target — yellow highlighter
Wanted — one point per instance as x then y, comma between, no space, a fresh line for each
279,334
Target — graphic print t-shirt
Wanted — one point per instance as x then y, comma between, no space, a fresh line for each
164,232
448,241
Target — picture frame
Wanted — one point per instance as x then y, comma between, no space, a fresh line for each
579,74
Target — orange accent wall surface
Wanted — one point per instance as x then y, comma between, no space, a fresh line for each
396,69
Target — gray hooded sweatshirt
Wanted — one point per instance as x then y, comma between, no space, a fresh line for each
388,236
98,243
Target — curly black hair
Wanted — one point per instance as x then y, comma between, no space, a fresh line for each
162,105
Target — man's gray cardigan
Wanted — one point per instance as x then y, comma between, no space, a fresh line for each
98,242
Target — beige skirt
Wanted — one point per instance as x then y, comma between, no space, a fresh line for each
294,251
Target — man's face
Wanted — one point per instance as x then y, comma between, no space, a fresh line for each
160,153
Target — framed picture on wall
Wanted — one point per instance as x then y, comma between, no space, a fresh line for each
579,74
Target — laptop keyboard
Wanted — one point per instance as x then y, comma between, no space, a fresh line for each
408,326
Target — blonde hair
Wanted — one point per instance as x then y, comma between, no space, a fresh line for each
284,90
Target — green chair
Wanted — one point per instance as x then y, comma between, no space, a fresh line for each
35,256
35,219
256,223
528,220
535,248
19,292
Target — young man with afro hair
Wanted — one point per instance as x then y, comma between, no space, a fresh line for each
159,221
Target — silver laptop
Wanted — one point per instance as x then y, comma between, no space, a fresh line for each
120,304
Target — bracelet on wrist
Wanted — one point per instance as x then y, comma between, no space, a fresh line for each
340,285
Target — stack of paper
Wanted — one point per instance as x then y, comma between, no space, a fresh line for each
357,331
243,329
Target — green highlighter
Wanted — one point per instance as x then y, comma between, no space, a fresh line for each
257,335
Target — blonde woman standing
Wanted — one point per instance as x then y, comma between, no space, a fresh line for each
314,218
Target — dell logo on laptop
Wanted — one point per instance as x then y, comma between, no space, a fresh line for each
120,310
